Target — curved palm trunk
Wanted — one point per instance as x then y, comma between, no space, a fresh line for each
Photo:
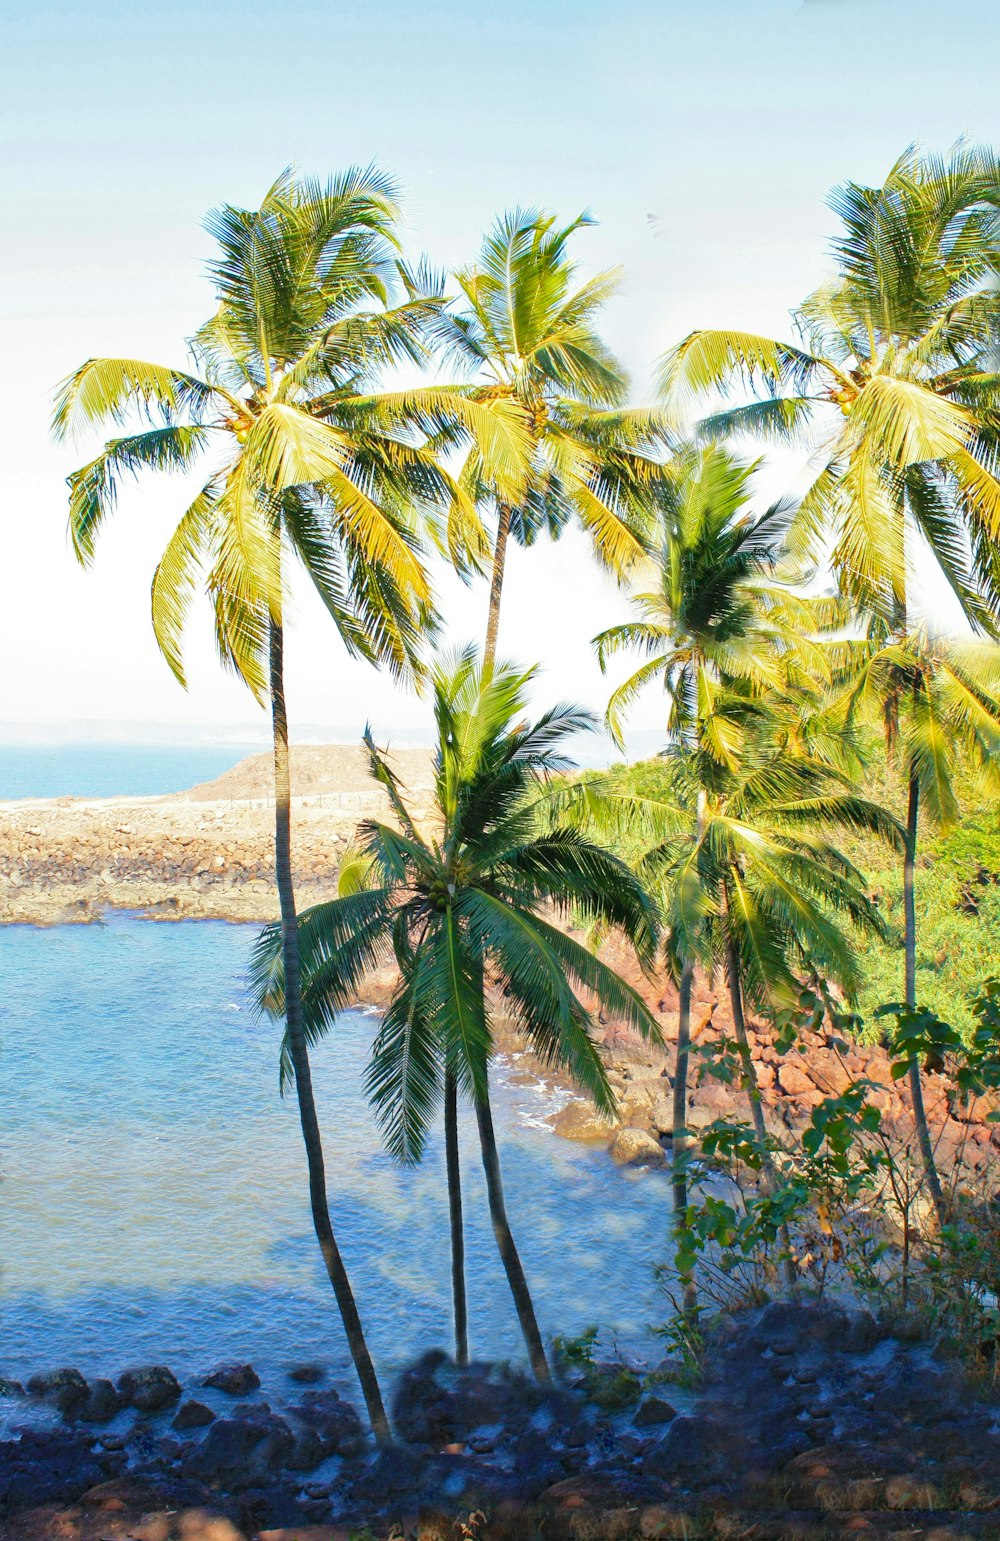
459,1305
505,1244
931,1176
753,1091
679,1144
496,582
300,1053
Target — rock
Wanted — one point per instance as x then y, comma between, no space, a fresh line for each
45,1466
307,1374
102,1404
653,1410
149,1388
65,1389
240,1452
393,1473
692,1446
10,1388
580,1121
636,1147
334,1422
236,1380
794,1081
192,1415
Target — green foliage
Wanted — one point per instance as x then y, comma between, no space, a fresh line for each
611,1386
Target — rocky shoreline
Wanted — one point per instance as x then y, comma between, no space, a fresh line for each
811,1422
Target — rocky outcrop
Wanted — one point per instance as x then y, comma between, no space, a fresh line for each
812,1423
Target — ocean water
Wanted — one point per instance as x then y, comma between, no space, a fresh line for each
153,1202
112,770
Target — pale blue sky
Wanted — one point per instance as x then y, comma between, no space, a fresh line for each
703,136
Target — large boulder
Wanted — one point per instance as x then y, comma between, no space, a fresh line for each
149,1388
66,1389
581,1121
636,1147
103,1402
240,1452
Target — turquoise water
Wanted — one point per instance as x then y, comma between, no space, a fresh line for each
152,1183
111,770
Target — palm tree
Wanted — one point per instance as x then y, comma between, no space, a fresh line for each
897,376
938,704
716,632
894,379
462,913
528,330
752,885
306,459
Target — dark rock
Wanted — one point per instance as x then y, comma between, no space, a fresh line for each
653,1410
307,1452
102,1404
192,1415
240,1452
45,1466
10,1388
332,1420
149,1388
393,1473
693,1445
65,1389
236,1380
307,1374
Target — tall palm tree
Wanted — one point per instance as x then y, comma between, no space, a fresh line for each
463,913
716,632
938,704
306,460
893,382
528,329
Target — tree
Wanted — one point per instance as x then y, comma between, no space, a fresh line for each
528,327
753,885
465,913
717,632
306,459
938,705
897,376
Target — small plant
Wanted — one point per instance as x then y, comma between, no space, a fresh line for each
608,1384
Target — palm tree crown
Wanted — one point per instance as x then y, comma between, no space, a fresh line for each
528,328
460,910
716,618
896,377
302,450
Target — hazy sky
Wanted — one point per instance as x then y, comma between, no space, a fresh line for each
703,135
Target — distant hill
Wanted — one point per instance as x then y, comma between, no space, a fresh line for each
315,770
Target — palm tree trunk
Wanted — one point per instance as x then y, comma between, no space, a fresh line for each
931,1176
505,1244
496,583
300,1054
460,1308
679,1146
768,1168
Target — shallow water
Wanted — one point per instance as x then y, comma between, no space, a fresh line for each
153,1203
